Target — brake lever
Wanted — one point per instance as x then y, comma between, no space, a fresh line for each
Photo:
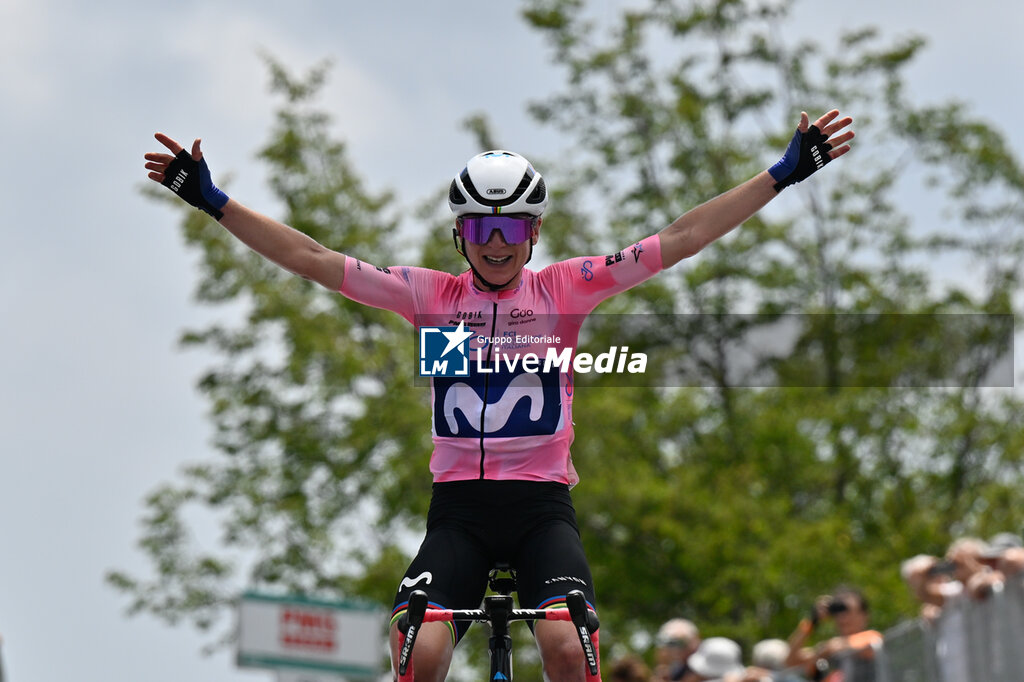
585,622
410,623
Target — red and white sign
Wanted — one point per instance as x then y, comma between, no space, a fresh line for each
340,637
303,628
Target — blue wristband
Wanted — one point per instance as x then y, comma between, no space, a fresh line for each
787,164
210,192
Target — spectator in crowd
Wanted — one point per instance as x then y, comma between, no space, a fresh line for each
676,641
630,668
768,660
944,586
971,568
768,663
1005,553
770,654
968,557
948,586
929,580
1001,542
716,658
847,655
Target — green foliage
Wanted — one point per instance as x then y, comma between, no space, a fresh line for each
725,503
736,506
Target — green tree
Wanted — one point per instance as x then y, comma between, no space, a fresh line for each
749,502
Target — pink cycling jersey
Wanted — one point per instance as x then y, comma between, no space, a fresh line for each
508,423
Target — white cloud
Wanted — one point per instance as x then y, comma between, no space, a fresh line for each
222,55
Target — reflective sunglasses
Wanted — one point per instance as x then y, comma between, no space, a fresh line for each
478,229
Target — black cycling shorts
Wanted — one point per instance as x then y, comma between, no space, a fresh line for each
473,525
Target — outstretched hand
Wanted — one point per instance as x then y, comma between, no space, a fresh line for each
158,162
186,174
829,126
811,148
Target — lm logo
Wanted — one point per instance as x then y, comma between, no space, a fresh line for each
444,351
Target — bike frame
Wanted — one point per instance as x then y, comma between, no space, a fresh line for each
498,612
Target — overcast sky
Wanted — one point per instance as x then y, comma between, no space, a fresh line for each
97,403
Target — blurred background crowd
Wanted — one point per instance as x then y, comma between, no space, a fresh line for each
976,582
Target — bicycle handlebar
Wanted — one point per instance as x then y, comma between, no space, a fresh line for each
583,619
481,616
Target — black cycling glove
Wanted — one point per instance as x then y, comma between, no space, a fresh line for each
190,180
806,153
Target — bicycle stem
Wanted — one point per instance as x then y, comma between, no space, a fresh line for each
498,609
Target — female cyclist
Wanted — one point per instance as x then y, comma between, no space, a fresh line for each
501,465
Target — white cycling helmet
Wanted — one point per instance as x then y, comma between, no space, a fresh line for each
498,182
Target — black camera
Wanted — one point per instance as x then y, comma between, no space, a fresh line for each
837,606
832,607
942,568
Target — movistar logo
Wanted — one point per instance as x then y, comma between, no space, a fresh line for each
461,397
508,403
411,582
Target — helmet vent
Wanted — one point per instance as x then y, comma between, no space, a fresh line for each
524,183
539,193
454,195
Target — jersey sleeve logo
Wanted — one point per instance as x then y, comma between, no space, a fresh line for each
638,248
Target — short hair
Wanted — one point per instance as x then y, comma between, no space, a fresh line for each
976,547
915,565
843,591
770,654
677,628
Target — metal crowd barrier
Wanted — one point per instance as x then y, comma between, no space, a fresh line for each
972,641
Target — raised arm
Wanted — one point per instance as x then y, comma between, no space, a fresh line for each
188,176
811,148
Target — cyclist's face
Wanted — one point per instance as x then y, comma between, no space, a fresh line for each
498,261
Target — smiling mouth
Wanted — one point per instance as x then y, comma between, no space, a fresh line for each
497,261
